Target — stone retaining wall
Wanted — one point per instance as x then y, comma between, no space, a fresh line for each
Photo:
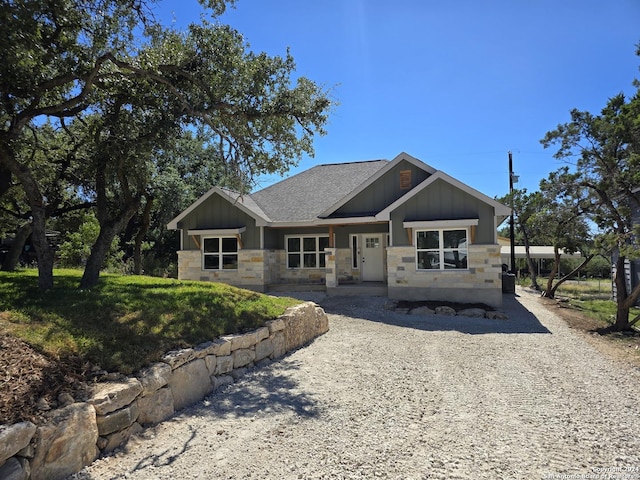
74,436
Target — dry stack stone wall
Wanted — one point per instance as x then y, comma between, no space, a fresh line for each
76,435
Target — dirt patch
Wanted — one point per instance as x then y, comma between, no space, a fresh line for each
624,347
32,383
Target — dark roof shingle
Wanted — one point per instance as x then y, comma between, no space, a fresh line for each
305,196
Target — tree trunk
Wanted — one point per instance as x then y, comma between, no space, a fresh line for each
108,231
532,268
44,252
570,274
5,180
550,292
99,250
624,300
142,232
13,256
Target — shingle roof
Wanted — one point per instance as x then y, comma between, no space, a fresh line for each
247,201
306,195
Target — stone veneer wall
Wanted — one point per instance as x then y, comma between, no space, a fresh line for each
295,275
480,283
346,273
339,271
257,269
75,435
250,273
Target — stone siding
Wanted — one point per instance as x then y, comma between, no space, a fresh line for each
250,273
480,283
346,273
74,436
296,275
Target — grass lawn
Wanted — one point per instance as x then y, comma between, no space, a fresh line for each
126,322
592,297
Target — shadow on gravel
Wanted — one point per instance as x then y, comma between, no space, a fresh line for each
260,390
266,390
376,309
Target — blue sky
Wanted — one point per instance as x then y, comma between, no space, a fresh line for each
456,83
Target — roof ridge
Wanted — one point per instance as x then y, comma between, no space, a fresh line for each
351,163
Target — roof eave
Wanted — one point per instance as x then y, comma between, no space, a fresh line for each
261,221
500,210
318,222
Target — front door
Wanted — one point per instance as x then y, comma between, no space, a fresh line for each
372,258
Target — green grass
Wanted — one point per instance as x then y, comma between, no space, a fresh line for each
593,298
126,322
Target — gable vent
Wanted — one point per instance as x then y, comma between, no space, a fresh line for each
405,179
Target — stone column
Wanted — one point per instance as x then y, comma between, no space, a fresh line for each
331,268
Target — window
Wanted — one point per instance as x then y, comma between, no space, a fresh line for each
355,252
441,249
220,253
306,251
372,242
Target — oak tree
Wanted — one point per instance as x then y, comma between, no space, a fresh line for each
604,151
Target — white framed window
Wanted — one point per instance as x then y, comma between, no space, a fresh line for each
306,251
442,249
220,253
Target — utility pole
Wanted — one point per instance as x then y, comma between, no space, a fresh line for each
511,222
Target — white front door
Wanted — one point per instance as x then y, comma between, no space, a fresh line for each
372,258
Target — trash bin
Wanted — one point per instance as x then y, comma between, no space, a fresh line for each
508,283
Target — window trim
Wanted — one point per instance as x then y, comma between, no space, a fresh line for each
220,254
302,252
354,247
442,224
441,249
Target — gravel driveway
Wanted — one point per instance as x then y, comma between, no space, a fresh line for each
387,395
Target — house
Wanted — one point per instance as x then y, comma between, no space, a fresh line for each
542,255
402,226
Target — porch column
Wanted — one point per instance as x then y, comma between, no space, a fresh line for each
331,268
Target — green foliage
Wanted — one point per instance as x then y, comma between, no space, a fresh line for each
127,322
606,151
119,90
593,298
76,247
599,267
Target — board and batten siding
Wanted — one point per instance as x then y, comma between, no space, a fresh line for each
217,213
442,201
382,192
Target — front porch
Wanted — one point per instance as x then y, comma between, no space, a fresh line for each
374,289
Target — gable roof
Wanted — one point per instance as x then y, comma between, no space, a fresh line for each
380,173
500,209
243,202
314,194
303,197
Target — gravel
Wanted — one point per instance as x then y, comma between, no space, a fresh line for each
387,395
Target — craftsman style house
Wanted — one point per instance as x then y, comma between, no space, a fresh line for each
400,226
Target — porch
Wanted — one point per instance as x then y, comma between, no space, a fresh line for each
373,289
